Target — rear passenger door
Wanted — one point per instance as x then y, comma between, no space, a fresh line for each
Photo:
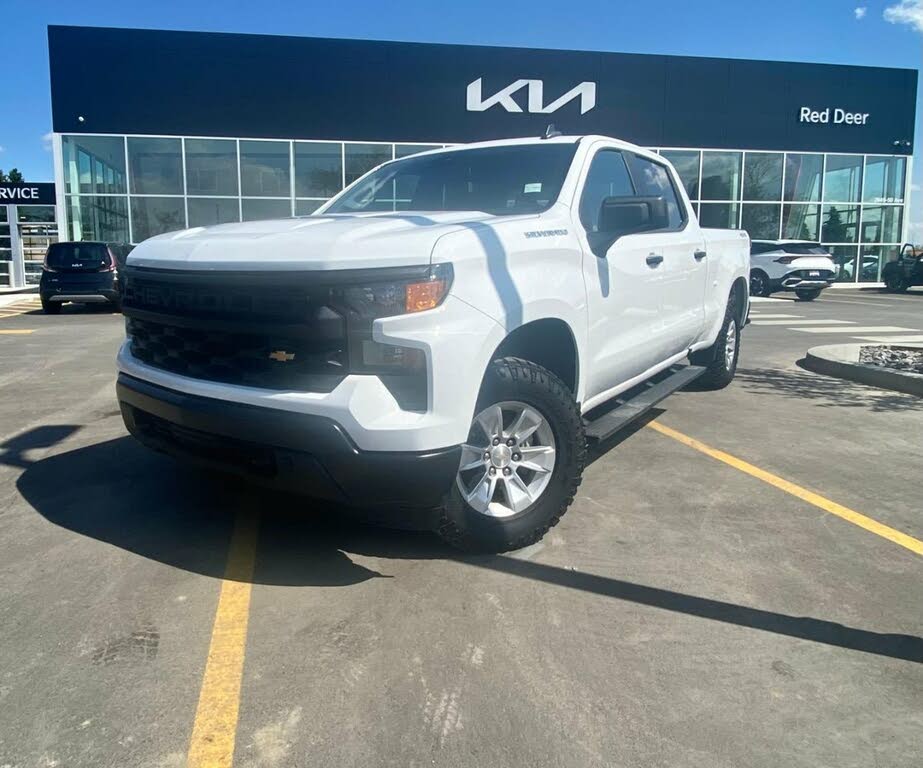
684,270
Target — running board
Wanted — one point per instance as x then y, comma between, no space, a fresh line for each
629,407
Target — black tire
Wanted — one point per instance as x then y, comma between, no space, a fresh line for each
51,307
896,283
719,371
759,283
807,294
507,379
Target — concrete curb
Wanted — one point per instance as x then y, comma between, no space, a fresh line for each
842,361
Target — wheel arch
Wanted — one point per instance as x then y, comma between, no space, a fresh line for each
740,294
548,342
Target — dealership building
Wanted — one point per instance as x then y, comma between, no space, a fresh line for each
158,130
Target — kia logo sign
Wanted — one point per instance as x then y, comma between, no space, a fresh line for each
585,91
27,194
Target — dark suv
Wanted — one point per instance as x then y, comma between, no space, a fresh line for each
83,272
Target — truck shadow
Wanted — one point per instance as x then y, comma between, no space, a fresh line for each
121,494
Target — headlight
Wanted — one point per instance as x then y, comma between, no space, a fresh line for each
399,297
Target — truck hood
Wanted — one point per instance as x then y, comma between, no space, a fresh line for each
340,241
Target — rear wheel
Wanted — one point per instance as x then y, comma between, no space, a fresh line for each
521,464
721,358
896,283
807,295
759,283
51,307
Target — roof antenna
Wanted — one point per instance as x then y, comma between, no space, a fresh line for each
551,132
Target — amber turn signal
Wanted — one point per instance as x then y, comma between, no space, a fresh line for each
423,296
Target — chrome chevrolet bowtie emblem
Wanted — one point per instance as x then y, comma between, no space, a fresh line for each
282,356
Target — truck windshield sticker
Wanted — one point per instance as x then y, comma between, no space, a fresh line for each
533,187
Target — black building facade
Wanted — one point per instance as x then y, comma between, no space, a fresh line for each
186,129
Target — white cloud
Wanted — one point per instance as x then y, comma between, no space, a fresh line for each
906,12
860,12
46,141
2,150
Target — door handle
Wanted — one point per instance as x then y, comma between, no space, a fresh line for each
653,260
699,255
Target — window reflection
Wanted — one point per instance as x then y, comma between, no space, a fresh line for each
719,215
406,150
802,177
155,215
156,166
205,211
801,222
881,224
844,259
257,210
361,158
318,169
841,224
762,176
721,175
761,220
687,166
98,218
873,259
211,167
884,180
843,179
264,169
94,164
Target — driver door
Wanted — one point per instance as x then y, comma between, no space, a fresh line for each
623,283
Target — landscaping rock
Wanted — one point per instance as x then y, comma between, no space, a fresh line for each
895,358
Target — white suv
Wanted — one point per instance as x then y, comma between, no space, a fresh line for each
790,265
445,334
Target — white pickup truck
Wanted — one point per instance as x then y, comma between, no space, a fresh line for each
444,335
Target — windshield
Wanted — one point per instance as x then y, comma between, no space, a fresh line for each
523,178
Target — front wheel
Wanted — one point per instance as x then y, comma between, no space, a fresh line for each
521,464
721,357
808,295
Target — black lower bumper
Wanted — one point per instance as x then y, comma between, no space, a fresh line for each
290,451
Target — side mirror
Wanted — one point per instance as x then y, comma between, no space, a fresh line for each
629,215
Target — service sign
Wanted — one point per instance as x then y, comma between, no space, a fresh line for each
27,194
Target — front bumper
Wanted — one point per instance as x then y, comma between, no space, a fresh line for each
291,451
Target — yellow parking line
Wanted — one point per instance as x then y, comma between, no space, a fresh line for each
215,726
18,332
856,518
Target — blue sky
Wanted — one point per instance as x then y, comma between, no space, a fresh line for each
885,34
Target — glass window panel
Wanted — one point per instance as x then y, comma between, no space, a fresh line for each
844,257
35,213
318,169
2,213
802,177
801,222
98,218
840,224
762,176
607,177
881,224
94,164
155,215
264,169
874,257
842,179
256,210
211,167
205,211
721,175
156,166
307,207
884,180
361,158
719,215
761,221
652,180
687,166
406,150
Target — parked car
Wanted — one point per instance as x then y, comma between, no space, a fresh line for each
790,265
81,272
907,271
445,334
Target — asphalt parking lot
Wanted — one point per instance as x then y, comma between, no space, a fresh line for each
691,609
